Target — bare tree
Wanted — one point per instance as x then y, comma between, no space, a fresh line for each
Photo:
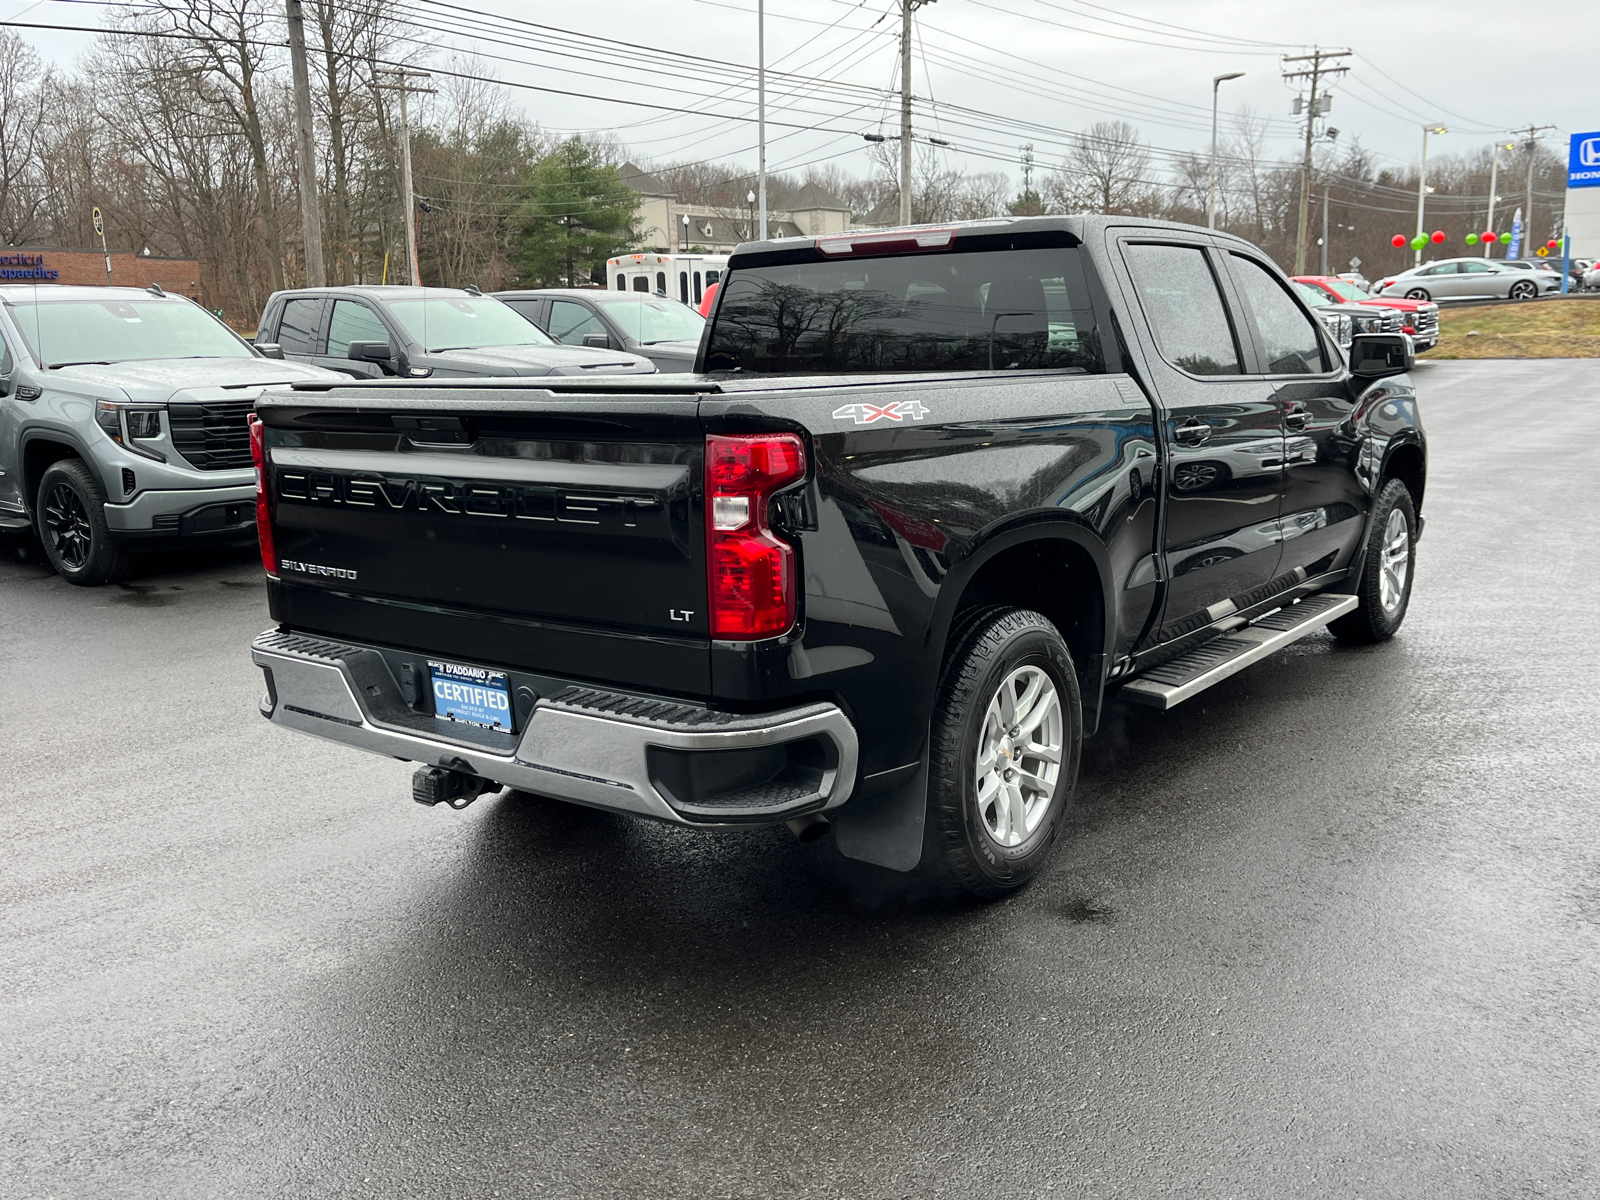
22,118
1107,170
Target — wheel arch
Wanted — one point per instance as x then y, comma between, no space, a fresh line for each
1408,462
1055,567
40,448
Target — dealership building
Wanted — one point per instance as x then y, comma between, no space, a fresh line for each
1583,195
53,264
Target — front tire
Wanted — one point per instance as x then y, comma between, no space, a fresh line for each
1524,290
1387,570
1006,737
72,526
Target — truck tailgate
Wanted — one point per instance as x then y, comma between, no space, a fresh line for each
551,534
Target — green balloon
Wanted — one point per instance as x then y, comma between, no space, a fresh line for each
1505,239
1472,239
1417,243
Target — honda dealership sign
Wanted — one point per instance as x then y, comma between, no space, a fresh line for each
1583,161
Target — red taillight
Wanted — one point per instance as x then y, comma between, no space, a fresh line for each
750,571
258,455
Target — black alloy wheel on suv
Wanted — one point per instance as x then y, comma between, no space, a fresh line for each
72,525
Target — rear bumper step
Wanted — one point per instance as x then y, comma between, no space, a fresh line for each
1194,671
653,757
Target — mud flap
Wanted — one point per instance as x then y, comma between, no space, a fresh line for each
886,828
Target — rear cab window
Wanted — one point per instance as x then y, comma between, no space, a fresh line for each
968,308
1183,305
298,326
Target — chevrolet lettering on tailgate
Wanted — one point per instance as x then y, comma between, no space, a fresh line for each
453,497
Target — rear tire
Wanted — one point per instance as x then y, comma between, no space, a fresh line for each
1387,570
1006,737
72,525
1418,294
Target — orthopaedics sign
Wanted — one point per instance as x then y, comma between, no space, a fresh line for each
1583,161
25,266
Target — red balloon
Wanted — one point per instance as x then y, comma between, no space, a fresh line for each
1398,239
1438,236
1552,244
1488,235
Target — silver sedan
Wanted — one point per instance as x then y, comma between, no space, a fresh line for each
1463,278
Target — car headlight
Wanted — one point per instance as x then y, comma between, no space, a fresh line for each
132,426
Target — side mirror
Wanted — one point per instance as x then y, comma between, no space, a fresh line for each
373,352
597,340
269,349
5,385
1375,355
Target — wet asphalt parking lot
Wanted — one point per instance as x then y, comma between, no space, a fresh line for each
1330,930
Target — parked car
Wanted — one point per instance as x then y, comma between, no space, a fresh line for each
418,333
1345,319
879,568
1591,277
659,328
1464,278
1421,316
123,424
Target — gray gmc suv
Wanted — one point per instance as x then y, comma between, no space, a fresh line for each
124,424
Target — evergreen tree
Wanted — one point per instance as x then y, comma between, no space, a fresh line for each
578,213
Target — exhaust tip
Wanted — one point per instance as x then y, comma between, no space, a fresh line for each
810,828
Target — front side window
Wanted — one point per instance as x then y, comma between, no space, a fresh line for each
1475,268
1290,343
297,330
353,321
570,323
973,310
1184,308
464,323
59,332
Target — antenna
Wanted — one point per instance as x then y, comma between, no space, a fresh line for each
472,290
155,290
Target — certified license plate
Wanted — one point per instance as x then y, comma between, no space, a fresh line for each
471,694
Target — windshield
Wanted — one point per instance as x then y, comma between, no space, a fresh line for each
1313,296
654,320
65,332
1347,290
974,310
465,323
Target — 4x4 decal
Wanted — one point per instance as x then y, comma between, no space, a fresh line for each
866,414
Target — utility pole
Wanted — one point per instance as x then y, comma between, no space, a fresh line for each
1317,107
761,112
403,85
1532,145
907,7
1422,184
305,146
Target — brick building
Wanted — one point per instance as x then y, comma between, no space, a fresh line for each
51,264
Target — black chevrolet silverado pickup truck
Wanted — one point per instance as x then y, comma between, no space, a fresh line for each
932,497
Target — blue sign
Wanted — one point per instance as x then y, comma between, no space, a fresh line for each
1583,161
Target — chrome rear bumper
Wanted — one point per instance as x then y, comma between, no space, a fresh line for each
603,749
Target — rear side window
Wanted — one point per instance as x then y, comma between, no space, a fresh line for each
297,331
353,322
975,310
1184,307
1289,341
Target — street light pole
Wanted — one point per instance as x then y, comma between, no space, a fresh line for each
685,220
1494,175
1211,200
761,111
750,200
1422,181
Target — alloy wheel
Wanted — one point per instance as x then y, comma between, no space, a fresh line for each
1019,755
1192,477
1395,568
66,522
1522,290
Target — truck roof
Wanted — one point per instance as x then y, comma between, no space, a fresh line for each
13,292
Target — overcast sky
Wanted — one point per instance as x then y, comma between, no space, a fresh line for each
1032,70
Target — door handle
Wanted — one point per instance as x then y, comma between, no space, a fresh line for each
1192,432
1296,416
